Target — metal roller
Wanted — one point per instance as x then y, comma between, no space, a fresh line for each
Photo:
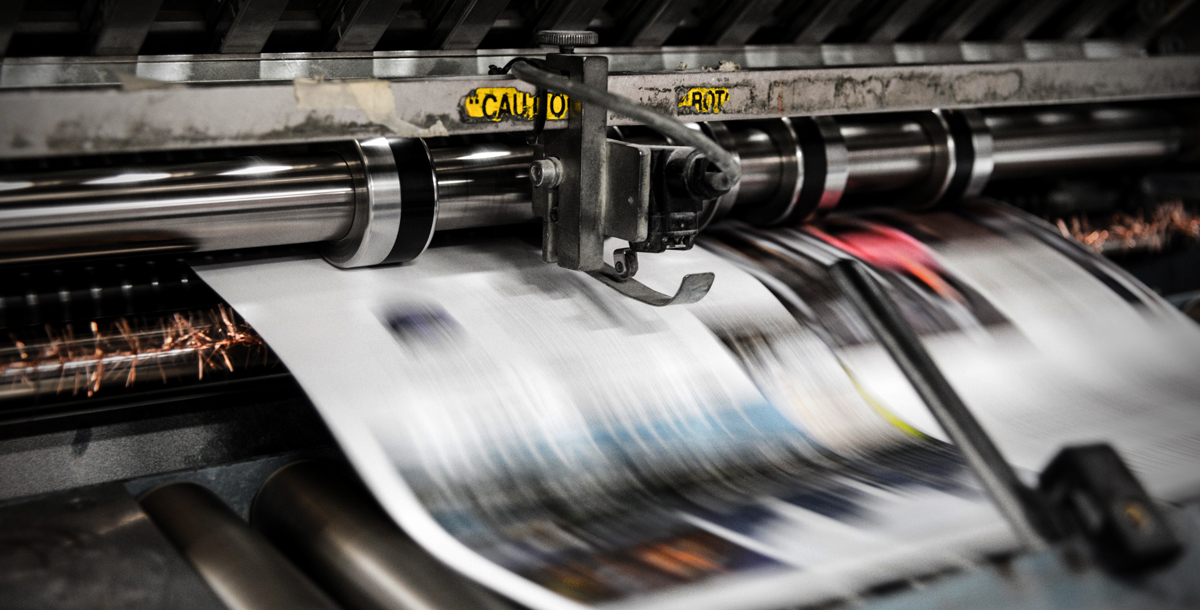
1054,141
244,570
336,532
482,185
886,154
214,205
380,200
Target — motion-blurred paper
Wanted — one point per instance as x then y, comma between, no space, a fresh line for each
566,446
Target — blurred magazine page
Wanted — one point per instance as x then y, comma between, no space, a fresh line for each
1048,344
568,446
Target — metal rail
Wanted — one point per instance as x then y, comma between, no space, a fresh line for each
45,122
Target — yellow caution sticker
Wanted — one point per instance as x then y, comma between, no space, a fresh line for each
704,100
509,103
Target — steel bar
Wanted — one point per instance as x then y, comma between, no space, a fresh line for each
886,155
1027,144
205,206
245,25
257,202
48,122
358,25
242,568
1030,519
482,185
272,68
337,533
119,27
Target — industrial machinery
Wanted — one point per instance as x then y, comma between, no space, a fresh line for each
144,425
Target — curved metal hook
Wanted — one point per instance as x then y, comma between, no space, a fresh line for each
692,289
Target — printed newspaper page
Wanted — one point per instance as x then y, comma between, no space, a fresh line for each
570,447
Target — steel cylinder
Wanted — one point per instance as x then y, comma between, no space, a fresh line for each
335,531
482,185
885,153
213,205
761,159
261,201
1037,143
242,568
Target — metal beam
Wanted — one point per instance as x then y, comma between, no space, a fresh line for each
740,19
653,22
119,27
9,13
357,25
818,20
462,24
971,15
34,72
568,14
905,15
40,123
244,25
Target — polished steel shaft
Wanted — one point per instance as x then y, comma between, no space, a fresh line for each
214,205
482,185
1046,141
261,201
242,568
885,154
335,530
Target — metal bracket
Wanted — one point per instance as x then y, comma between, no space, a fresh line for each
692,289
587,187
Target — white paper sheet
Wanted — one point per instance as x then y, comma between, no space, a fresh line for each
567,446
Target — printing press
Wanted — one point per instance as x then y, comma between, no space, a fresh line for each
928,224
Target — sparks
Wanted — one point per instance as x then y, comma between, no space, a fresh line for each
201,341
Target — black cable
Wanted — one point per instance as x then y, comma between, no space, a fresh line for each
540,96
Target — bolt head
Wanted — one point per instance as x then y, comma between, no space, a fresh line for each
545,173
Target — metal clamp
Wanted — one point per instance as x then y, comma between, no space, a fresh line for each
376,207
826,167
974,149
419,196
395,204
945,162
